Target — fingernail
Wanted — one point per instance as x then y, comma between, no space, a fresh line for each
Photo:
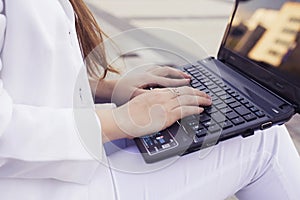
187,75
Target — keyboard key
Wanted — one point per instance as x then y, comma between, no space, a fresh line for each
206,91
196,84
214,97
227,124
214,78
229,100
204,80
213,86
231,115
195,127
189,67
190,122
189,118
230,91
239,98
222,105
194,81
244,101
226,110
203,117
209,76
234,105
249,105
201,68
259,114
201,87
211,109
208,123
253,109
219,81
225,96
216,90
205,72
213,128
217,101
249,117
199,78
197,75
234,94
194,72
221,93
222,84
226,88
208,83
241,110
218,117
237,121
201,132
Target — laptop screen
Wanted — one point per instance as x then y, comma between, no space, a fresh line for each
266,34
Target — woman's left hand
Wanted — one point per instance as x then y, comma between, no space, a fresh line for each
140,80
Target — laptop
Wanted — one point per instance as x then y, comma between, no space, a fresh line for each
254,82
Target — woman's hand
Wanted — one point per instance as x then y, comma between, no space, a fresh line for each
152,111
139,80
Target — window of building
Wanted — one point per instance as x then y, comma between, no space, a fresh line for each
282,42
274,53
295,19
290,31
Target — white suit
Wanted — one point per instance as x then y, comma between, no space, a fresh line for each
40,63
42,155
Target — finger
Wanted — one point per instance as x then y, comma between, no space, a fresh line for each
169,92
170,82
184,111
188,100
171,73
139,92
158,95
187,96
186,90
159,91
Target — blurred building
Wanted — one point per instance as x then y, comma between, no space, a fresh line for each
260,21
280,39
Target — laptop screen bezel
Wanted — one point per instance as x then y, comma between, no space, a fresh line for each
287,90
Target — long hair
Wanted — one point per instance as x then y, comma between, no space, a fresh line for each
90,38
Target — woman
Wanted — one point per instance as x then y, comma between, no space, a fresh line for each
41,155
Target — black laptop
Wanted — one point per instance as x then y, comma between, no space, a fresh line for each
254,82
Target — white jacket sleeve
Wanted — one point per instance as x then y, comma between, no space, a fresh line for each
41,142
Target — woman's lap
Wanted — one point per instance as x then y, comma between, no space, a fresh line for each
252,163
263,166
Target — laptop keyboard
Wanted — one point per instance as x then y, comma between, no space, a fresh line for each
229,108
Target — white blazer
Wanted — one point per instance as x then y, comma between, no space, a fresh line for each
39,68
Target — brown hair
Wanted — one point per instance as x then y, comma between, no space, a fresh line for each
90,38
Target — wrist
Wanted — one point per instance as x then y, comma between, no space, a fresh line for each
110,129
103,90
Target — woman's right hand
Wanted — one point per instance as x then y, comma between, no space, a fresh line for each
151,112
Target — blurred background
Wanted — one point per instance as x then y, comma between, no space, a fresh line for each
201,23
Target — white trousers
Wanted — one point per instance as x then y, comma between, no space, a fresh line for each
263,166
